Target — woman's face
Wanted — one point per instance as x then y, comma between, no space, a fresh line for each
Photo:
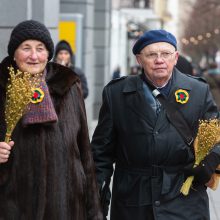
31,56
63,57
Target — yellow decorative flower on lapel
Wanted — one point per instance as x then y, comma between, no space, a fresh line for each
182,96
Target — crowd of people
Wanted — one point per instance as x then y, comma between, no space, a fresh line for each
147,126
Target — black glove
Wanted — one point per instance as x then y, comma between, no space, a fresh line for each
203,172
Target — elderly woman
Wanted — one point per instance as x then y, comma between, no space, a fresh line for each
47,171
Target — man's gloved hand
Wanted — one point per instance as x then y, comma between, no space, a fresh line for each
206,168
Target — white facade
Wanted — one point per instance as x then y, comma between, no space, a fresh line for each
121,46
173,24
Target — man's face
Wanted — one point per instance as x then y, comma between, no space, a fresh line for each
158,61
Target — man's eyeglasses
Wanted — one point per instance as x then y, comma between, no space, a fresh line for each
165,55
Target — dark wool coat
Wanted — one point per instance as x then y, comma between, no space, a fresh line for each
50,172
148,152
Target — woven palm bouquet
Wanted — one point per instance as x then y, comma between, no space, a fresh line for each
18,95
208,135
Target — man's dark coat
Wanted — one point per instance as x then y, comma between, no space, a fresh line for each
148,152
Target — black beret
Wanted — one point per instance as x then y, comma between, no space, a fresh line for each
30,30
153,36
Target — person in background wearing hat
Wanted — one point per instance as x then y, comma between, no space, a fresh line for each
152,158
47,170
65,56
184,65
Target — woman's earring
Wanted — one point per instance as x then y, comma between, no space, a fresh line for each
14,58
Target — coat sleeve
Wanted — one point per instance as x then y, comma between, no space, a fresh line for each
93,201
103,142
103,148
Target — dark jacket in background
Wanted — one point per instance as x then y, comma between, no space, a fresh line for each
83,80
148,152
184,66
50,172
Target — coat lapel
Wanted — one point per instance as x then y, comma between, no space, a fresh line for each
178,82
136,101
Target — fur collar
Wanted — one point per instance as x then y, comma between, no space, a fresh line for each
59,78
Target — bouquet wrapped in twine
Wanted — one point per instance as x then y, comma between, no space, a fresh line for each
18,95
208,135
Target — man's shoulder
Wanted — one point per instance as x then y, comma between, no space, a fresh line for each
199,78
124,79
188,77
192,80
116,81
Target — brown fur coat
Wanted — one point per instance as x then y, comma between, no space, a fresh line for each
50,172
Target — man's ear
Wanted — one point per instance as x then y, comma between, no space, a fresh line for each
176,57
138,58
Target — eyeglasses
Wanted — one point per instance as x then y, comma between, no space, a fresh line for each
165,55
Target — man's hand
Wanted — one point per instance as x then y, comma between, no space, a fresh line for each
206,168
5,150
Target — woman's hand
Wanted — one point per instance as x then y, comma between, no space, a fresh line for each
5,150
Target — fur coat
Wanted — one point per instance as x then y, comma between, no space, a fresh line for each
50,172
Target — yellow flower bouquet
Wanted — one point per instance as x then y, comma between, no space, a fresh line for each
208,135
18,95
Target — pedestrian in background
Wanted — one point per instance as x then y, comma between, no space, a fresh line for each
65,56
184,66
135,70
117,73
212,75
151,148
47,171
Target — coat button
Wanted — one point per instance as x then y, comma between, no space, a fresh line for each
157,203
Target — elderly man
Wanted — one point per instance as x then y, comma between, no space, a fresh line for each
147,125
